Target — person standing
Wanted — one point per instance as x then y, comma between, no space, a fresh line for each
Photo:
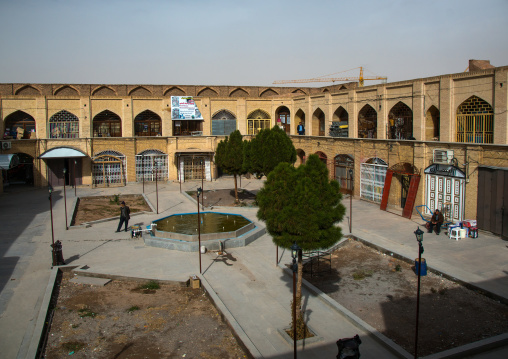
300,129
436,220
125,212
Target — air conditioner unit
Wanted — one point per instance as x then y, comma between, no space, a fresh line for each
443,156
6,145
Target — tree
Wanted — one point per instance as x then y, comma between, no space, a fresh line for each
301,205
229,156
269,148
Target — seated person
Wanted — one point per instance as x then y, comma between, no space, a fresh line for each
436,220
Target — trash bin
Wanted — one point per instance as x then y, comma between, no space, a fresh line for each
349,348
57,253
423,270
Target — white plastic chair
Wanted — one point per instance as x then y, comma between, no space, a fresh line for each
455,233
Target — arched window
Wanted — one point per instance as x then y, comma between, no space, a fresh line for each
257,120
318,123
283,118
400,120
151,163
300,120
147,123
340,123
19,125
63,124
344,163
367,122
372,179
432,123
475,121
223,123
109,168
107,124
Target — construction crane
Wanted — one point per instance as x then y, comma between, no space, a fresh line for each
325,78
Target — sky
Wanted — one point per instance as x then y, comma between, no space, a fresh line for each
249,43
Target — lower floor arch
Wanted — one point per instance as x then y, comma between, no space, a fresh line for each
372,179
344,172
151,164
109,168
445,190
22,174
404,190
194,164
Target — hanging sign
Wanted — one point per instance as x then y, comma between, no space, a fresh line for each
184,108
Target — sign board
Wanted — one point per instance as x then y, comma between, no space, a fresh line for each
184,108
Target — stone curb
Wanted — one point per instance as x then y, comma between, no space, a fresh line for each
472,348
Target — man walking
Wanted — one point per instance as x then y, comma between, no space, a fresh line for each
125,212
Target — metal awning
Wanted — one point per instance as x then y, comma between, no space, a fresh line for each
8,161
62,152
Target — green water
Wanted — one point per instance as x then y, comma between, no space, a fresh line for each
210,223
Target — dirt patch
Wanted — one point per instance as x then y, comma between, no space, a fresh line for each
125,320
100,207
381,290
226,198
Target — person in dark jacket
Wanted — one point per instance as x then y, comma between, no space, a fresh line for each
125,212
436,220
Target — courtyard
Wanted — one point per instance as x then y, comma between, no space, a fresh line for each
253,291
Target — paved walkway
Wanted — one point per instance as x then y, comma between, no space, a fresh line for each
253,289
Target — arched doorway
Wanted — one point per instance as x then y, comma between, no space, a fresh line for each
257,120
107,124
400,119
283,118
19,125
407,185
151,163
147,123
372,179
323,158
23,173
475,121
432,123
300,157
64,164
342,164
108,169
367,122
318,123
340,123
223,123
64,124
300,119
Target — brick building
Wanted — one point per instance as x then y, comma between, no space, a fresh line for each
444,138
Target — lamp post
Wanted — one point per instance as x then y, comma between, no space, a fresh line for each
202,182
351,201
74,172
143,170
199,230
156,170
65,198
53,252
294,254
419,237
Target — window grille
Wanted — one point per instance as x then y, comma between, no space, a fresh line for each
223,123
372,179
475,121
149,163
254,126
343,163
64,124
109,168
107,124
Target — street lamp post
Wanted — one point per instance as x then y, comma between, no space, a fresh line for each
53,252
74,172
294,254
202,182
143,170
351,201
419,237
199,230
65,199
156,170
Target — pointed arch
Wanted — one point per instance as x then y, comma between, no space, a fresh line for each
318,122
208,92
342,88
27,90
400,120
223,123
299,91
268,93
344,171
323,157
238,92
107,124
20,125
63,124
66,90
300,157
326,90
140,91
258,114
147,123
340,123
432,124
103,91
174,91
367,122
282,115
475,121
372,179
257,120
151,164
300,120
109,168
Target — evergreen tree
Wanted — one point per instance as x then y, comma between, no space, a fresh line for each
269,148
301,205
229,156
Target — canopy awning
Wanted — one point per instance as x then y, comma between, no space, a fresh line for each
193,151
62,152
8,161
440,169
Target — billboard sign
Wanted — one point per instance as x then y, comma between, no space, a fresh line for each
184,108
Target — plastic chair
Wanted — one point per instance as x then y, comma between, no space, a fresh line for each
455,233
